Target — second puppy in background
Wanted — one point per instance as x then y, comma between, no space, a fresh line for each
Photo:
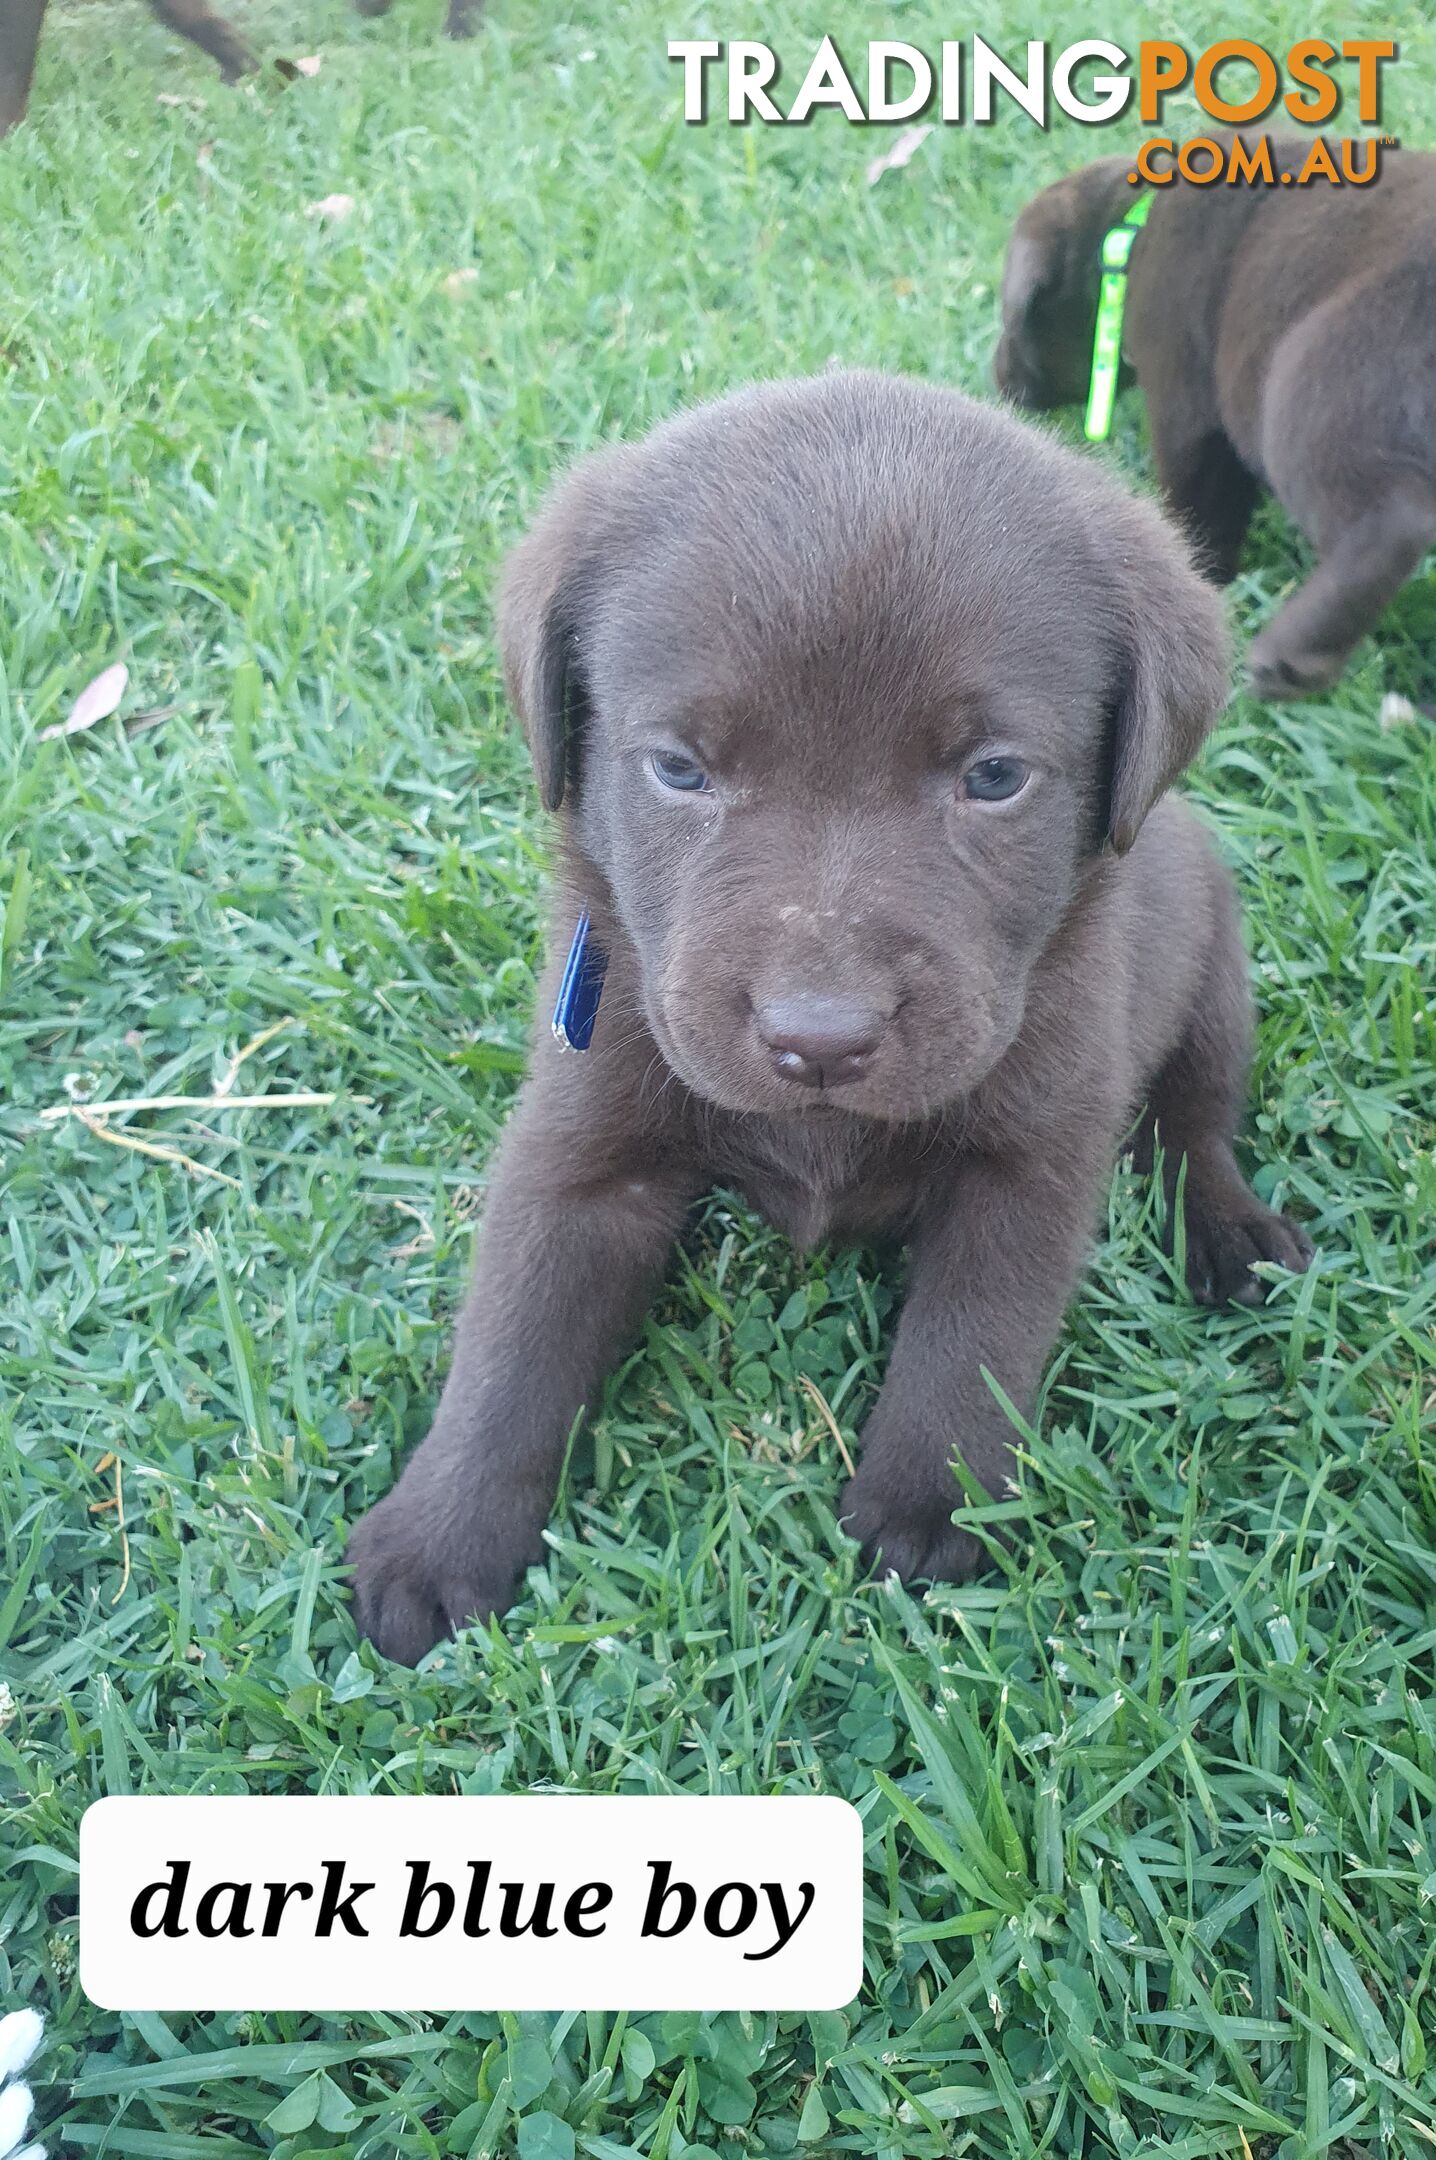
1284,337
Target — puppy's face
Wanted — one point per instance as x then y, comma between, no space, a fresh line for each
830,679
840,811
1050,283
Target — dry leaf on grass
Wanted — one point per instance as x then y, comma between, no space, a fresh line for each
440,430
332,208
171,97
901,153
153,716
96,702
310,63
457,283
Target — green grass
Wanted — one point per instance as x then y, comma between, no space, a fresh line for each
1151,1810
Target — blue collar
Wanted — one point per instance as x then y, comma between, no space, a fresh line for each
576,1007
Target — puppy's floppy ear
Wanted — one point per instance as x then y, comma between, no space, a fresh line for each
1057,240
1173,666
1034,262
545,604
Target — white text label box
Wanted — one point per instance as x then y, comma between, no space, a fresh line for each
562,1902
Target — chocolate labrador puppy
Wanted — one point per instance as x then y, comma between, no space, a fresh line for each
858,703
1284,337
21,20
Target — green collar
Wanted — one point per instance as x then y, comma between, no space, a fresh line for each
1111,303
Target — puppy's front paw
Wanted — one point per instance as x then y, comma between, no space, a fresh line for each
1222,1244
920,1545
416,1581
1277,669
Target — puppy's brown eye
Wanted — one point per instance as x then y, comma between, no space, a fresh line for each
995,779
676,771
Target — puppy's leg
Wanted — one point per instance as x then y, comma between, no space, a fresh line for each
570,1255
1210,491
992,1273
464,18
198,22
372,7
1362,566
1194,1109
20,22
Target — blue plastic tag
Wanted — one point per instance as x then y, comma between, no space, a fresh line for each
576,1008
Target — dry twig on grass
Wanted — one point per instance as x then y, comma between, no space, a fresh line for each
819,1401
112,1461
95,1116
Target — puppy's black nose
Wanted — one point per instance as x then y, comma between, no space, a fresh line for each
821,1042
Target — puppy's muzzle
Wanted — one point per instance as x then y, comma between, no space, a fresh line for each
821,1042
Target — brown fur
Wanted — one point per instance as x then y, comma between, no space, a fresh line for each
881,1008
1284,338
21,20
462,20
